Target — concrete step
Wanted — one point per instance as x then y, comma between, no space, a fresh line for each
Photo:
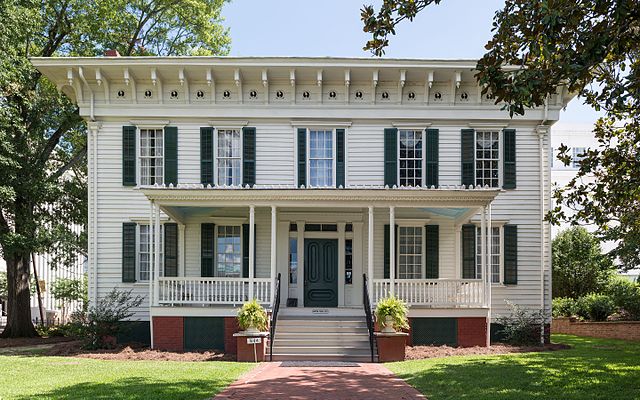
306,349
320,329
322,357
326,342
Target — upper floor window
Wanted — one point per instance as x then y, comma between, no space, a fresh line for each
321,158
229,157
578,155
487,155
228,251
494,267
410,157
151,156
410,252
145,241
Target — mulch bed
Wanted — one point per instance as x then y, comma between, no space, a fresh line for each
134,352
421,352
35,341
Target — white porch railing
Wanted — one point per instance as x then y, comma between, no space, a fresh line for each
210,291
433,292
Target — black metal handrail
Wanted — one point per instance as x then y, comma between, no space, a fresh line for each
274,317
367,312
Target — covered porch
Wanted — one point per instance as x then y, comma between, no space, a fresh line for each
323,242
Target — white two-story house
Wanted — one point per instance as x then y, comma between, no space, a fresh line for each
310,184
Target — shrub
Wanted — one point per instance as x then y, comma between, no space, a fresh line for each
563,307
626,297
252,314
596,307
522,326
396,309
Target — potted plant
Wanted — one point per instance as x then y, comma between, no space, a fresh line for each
391,314
252,317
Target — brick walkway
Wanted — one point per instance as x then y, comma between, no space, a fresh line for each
271,381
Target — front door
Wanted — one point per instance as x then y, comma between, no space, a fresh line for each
321,272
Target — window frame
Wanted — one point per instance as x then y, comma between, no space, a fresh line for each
216,131
151,251
333,151
577,157
423,254
292,236
139,156
500,226
500,156
423,132
215,249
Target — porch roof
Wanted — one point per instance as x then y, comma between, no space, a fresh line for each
197,195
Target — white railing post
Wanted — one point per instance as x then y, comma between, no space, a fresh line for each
370,254
273,253
392,249
252,255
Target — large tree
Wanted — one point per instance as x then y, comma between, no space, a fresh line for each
42,136
593,49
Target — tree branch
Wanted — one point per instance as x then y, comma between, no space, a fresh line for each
72,162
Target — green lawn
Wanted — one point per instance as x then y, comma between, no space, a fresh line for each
592,369
30,377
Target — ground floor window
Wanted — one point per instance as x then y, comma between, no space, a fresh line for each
228,251
293,261
494,240
410,252
145,241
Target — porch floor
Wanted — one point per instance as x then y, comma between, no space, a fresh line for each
338,381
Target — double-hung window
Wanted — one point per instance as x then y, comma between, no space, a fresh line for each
145,242
151,156
410,157
229,157
495,262
577,156
410,251
321,170
487,155
228,251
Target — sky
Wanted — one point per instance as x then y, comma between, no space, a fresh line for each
452,29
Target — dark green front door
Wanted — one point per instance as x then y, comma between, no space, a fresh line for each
321,272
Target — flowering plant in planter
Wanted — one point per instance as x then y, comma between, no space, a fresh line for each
392,312
252,317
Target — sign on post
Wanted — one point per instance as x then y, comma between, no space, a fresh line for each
254,340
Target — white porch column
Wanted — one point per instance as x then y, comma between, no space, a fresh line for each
152,251
489,272
370,254
483,252
182,266
392,249
252,249
274,231
156,267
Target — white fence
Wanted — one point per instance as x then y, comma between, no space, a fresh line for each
207,291
433,292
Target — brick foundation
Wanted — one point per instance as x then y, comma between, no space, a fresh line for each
230,342
472,331
626,330
168,333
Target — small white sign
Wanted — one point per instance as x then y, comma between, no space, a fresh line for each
254,340
320,311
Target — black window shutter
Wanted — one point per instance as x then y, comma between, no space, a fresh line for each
207,249
510,254
433,251
171,155
432,142
128,252
206,156
245,250
468,157
468,251
170,249
340,162
387,250
509,158
302,156
248,156
391,156
128,155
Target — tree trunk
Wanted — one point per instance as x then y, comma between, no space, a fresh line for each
18,300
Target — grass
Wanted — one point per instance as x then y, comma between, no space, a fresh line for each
33,376
592,369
